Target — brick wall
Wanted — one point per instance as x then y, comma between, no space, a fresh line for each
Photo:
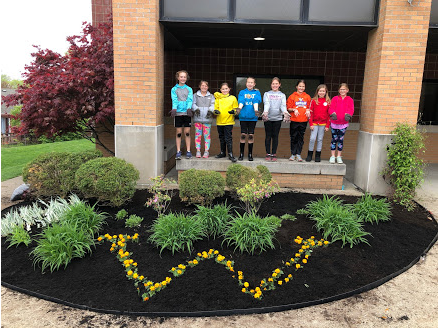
394,65
100,10
138,62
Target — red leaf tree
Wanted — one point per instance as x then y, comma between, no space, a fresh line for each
70,93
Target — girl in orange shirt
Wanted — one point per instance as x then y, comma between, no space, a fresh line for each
298,104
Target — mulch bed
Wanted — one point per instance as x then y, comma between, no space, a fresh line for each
99,280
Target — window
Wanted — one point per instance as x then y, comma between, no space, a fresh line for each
263,83
428,110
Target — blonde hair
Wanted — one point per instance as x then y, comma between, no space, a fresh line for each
203,81
181,71
327,98
343,85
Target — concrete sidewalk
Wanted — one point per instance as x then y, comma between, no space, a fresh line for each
409,300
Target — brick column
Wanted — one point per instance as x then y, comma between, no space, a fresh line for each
139,76
392,83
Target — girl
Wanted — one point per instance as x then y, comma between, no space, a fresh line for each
319,121
182,98
249,100
203,107
274,110
298,107
224,108
341,110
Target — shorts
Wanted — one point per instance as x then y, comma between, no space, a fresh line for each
183,121
247,127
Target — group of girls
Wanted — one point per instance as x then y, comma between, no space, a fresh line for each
320,111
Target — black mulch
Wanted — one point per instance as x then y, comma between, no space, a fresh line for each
99,280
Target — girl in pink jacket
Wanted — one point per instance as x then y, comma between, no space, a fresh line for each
341,110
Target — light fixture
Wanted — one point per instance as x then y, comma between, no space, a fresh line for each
259,38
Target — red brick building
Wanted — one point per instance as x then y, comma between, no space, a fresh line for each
387,52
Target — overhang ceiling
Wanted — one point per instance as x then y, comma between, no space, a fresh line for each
181,35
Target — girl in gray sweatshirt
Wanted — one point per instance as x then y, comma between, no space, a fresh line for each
203,107
274,112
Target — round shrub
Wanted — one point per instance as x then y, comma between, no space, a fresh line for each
111,180
238,176
53,174
201,186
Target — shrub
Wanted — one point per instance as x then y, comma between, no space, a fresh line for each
162,196
213,220
372,210
238,176
110,180
255,192
121,214
84,218
176,232
59,244
53,174
404,168
133,221
201,186
250,232
19,235
336,220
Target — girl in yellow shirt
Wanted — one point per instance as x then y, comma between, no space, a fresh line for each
225,108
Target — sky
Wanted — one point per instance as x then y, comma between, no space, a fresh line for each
46,23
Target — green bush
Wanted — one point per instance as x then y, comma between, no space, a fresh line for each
176,232
213,220
238,176
404,167
335,220
53,174
59,244
111,180
121,214
372,210
133,221
18,235
201,186
250,232
84,218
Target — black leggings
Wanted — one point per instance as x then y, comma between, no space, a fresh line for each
272,129
297,130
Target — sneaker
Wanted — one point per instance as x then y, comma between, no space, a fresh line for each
339,159
268,157
274,157
292,158
198,154
299,158
178,155
332,159
189,155
206,154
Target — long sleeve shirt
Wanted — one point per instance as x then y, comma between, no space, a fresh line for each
182,98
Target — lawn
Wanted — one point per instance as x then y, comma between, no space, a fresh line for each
15,158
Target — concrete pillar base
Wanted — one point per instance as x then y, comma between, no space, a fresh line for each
370,161
143,146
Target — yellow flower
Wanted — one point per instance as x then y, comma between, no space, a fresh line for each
146,299
277,270
128,237
163,283
301,250
179,271
312,237
199,254
135,264
114,236
243,290
304,261
127,265
99,238
262,282
280,283
251,291
130,272
270,279
141,277
113,245
149,283
152,288
274,275
286,279
215,252
181,266
246,284
112,249
239,272
173,269
326,242
297,266
289,276
229,263
135,276
168,279
307,256
231,269
257,289
287,264
157,285
240,277
297,255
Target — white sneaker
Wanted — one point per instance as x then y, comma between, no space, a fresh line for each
299,158
339,159
332,159
292,158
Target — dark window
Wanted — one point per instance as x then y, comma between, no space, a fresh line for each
279,10
434,13
428,111
263,83
205,9
342,10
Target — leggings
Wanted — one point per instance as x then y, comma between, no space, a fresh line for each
337,138
318,131
202,128
272,129
297,130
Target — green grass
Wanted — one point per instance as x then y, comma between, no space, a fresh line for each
15,158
